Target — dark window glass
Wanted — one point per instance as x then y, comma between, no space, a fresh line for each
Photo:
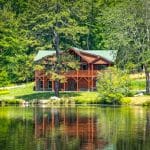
100,67
49,84
84,67
41,84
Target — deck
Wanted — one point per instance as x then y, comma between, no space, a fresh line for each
73,73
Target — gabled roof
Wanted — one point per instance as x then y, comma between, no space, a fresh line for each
109,55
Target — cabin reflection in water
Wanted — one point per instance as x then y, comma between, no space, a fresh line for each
63,130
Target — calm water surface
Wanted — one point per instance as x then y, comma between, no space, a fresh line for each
76,128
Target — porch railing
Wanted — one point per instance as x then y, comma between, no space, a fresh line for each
73,73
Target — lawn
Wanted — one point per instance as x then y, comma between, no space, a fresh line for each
26,93
138,84
141,100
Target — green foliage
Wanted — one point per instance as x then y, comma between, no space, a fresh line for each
137,84
111,99
15,66
3,92
113,80
87,98
112,85
126,100
3,78
12,102
114,99
126,28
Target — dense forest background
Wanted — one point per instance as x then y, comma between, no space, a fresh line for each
27,26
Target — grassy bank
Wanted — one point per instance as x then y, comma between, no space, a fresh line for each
25,93
141,100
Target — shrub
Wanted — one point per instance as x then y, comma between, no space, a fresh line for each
13,101
113,84
110,99
125,100
86,98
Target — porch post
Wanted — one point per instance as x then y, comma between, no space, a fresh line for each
36,84
52,85
43,83
92,77
64,87
77,80
88,77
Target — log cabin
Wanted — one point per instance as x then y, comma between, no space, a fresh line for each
84,79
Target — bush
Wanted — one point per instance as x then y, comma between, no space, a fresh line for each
13,101
111,99
125,100
86,98
113,84
130,93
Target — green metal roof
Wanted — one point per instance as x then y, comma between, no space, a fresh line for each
43,53
109,55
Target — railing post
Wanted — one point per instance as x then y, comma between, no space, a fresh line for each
92,77
88,77
77,80
64,87
43,83
52,85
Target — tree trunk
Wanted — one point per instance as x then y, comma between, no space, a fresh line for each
56,88
147,74
56,45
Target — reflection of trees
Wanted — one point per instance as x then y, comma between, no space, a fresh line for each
139,141
16,134
146,140
124,128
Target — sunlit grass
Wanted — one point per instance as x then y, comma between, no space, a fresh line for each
27,93
138,84
140,100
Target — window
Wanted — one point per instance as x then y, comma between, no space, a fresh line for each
84,67
100,67
41,84
49,84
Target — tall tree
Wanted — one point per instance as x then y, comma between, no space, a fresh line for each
52,23
126,28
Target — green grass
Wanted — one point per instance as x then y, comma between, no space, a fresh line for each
87,98
141,100
3,92
26,93
138,84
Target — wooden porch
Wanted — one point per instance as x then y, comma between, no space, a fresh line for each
72,73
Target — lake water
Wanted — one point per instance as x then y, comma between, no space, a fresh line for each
75,128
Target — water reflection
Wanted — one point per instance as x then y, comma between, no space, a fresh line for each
69,129
78,128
